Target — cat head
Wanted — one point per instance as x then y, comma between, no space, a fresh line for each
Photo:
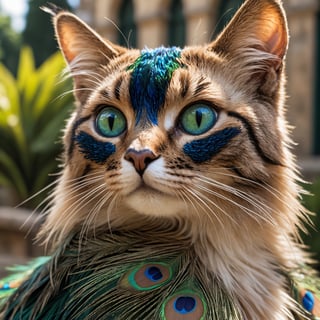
194,133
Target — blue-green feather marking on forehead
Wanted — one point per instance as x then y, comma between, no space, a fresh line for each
150,78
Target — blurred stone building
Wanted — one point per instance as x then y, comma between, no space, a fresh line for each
145,23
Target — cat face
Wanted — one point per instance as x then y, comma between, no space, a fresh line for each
152,131
170,131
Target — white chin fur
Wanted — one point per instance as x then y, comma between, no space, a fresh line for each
150,197
153,203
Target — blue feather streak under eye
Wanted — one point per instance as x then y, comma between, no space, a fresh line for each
150,78
93,149
204,149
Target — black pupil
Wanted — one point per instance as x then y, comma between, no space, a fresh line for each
198,117
111,119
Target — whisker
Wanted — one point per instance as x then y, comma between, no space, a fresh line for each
63,94
84,196
89,223
217,206
188,200
204,205
36,194
237,192
251,212
251,199
119,30
271,190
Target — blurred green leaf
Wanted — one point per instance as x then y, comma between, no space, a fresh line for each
12,176
33,109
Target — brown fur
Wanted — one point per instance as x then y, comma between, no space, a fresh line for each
241,208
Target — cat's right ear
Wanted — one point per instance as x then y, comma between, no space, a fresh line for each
84,50
255,42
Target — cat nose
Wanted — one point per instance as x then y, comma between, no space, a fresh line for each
140,159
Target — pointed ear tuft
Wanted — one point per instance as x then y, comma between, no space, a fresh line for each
258,24
84,50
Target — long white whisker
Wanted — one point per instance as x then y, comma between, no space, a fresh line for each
63,94
204,205
37,193
262,207
271,190
252,213
217,206
187,199
84,197
87,224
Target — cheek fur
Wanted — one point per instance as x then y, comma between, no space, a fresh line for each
204,149
94,150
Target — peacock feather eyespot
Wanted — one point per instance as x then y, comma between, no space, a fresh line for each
185,305
308,301
147,276
198,118
153,273
110,122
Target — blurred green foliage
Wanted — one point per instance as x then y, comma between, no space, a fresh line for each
312,202
33,109
10,42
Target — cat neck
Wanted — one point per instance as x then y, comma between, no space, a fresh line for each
247,255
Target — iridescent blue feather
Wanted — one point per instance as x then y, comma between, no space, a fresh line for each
150,78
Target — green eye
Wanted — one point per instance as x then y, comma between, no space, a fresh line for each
198,119
110,122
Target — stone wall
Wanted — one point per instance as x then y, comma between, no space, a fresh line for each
18,228
301,61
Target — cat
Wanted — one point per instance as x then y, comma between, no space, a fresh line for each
189,148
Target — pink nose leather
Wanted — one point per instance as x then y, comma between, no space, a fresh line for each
140,159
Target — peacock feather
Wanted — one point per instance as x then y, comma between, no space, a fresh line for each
18,274
306,290
122,275
151,74
132,275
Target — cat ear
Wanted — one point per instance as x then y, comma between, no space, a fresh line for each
256,38
84,50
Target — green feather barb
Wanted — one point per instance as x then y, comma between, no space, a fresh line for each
145,275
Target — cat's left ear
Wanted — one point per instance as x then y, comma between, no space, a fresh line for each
84,50
256,39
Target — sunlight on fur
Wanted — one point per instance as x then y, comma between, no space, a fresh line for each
186,154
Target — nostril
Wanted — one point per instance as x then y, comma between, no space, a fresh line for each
129,158
148,160
140,159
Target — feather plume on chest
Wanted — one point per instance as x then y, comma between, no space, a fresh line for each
179,193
